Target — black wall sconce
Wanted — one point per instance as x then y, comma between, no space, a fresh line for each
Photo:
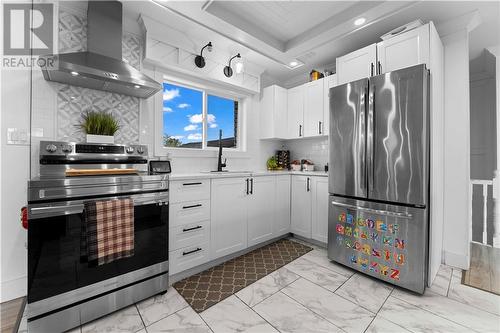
199,60
228,71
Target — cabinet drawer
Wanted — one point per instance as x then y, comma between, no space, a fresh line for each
189,190
189,212
188,257
188,235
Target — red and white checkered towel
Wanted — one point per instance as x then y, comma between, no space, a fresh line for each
108,227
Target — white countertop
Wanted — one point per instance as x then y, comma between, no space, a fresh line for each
232,174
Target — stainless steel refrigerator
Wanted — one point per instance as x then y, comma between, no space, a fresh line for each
379,176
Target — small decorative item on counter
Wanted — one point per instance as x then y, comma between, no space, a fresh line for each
100,127
307,165
283,157
296,165
315,75
272,163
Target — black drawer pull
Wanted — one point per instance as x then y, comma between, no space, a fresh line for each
191,184
192,206
193,228
192,251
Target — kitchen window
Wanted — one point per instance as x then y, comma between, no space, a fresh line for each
193,117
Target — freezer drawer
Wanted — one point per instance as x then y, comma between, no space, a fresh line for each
388,242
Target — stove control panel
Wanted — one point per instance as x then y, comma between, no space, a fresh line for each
96,151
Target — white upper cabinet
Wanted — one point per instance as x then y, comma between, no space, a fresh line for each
319,223
296,112
405,50
357,65
273,113
301,206
330,82
313,108
228,228
261,209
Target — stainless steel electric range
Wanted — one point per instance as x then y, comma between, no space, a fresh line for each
64,290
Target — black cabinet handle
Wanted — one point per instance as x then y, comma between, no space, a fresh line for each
193,228
372,68
192,251
300,130
308,184
379,67
251,184
191,184
319,127
247,180
191,206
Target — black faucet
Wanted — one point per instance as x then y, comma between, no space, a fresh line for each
220,165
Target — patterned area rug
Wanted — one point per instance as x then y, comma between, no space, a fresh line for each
209,287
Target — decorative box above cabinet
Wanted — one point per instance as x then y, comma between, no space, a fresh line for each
273,113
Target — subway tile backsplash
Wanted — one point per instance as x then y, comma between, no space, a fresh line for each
314,149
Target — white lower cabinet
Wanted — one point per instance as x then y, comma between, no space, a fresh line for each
282,205
261,209
319,216
310,207
228,230
301,206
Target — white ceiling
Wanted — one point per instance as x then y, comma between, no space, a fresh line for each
272,33
276,21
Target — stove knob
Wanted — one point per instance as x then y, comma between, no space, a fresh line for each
140,150
129,150
51,148
67,148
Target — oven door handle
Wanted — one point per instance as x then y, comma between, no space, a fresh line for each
77,208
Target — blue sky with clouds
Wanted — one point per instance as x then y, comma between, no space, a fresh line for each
182,114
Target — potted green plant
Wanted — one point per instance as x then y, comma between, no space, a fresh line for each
100,127
272,163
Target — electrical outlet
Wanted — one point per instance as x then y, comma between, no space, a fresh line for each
17,136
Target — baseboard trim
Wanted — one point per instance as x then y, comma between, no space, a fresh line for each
456,260
13,289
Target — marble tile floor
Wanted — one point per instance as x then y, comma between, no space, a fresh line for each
311,294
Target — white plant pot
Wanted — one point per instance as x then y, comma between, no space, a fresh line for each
296,167
308,167
92,138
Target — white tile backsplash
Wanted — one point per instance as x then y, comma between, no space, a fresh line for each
314,149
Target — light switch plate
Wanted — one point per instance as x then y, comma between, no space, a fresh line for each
17,136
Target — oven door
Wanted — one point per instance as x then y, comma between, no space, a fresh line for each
56,265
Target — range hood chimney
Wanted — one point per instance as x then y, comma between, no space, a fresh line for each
101,67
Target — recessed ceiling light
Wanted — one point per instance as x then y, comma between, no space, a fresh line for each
74,73
360,21
137,86
293,63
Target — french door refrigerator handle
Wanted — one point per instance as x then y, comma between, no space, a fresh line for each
375,211
370,133
362,134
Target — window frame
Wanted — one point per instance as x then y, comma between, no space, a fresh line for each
205,150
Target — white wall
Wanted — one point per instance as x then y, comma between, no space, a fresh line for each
15,113
457,148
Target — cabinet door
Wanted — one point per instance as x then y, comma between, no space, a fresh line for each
296,112
282,207
228,229
319,224
273,113
357,65
267,113
261,206
405,50
330,82
280,113
313,108
301,206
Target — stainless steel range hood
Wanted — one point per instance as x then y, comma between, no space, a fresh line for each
101,67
